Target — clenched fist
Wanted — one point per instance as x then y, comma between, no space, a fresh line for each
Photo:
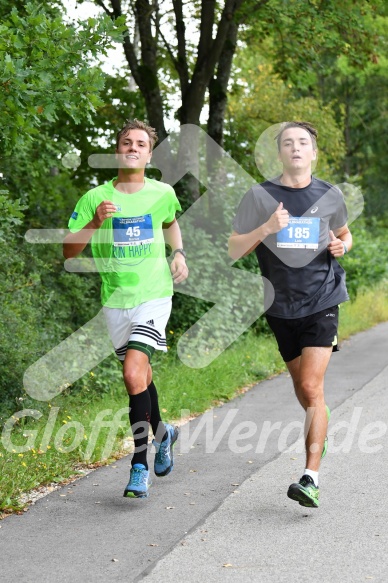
105,210
278,220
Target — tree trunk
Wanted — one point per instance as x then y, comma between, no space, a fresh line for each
212,52
218,87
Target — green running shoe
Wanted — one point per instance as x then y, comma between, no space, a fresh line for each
305,492
326,442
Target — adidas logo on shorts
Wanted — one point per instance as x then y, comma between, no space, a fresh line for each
151,323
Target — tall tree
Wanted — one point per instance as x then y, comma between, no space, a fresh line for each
192,68
191,45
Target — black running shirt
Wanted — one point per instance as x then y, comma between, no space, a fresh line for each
306,278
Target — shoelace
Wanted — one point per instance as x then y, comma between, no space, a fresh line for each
164,450
137,477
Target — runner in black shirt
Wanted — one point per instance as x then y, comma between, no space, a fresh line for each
297,226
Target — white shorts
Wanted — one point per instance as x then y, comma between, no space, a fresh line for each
145,323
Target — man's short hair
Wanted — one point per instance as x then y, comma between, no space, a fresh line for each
298,124
135,124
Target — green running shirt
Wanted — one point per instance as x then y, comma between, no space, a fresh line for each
129,248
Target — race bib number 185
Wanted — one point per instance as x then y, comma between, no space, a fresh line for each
301,233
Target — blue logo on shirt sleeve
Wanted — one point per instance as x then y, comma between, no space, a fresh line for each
74,215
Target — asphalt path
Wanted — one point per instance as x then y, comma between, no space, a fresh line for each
223,513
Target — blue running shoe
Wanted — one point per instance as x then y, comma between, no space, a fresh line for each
139,482
164,458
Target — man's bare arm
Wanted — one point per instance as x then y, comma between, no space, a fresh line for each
75,243
341,241
242,245
173,238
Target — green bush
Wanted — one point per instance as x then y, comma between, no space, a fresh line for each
40,303
367,262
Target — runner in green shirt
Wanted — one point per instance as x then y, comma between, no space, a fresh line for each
128,221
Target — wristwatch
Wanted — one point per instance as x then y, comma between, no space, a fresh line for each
345,248
182,251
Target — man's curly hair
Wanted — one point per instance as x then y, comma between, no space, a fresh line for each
135,124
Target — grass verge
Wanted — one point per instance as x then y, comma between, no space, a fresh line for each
49,442
369,308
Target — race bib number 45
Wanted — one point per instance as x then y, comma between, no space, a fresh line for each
132,231
301,233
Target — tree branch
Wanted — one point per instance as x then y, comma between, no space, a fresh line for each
228,14
218,87
204,69
129,50
169,49
148,50
144,72
101,3
181,66
206,28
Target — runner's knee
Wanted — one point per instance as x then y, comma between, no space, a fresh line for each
311,392
135,377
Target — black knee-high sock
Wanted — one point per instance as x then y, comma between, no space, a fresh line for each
158,427
139,418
